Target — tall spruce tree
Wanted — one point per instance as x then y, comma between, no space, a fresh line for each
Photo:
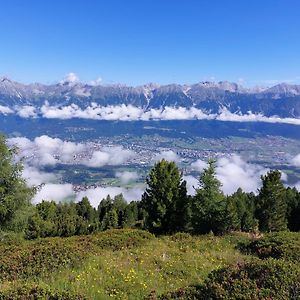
165,199
271,206
209,205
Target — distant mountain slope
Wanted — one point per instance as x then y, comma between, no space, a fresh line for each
282,100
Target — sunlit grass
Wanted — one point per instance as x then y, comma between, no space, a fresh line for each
161,265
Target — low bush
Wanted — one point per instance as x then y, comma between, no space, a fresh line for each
33,291
257,280
281,245
33,258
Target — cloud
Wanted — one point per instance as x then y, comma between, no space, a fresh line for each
97,194
44,150
5,110
35,177
26,111
191,183
55,192
226,115
70,78
96,82
133,113
199,165
296,161
127,177
234,172
48,151
109,156
167,155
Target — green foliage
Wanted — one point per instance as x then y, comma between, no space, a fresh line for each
131,215
34,258
33,291
209,205
117,213
256,280
165,199
240,208
15,195
110,220
271,206
63,219
281,245
293,211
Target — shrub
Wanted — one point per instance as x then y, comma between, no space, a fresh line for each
29,292
285,245
33,258
257,280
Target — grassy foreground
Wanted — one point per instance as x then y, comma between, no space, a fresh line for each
117,264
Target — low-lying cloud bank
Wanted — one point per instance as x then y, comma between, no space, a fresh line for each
296,160
233,172
132,113
48,151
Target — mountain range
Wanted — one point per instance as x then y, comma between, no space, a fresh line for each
282,100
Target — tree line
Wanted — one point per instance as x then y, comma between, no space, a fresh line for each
165,206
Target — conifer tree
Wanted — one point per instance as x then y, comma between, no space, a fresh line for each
209,205
271,206
165,199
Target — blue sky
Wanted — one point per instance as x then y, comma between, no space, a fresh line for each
140,41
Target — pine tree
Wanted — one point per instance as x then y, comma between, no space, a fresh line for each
240,211
110,220
165,199
209,205
271,206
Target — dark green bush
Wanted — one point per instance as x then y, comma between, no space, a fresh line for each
35,292
285,245
257,280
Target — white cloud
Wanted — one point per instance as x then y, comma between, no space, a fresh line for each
96,81
44,150
129,113
167,155
191,184
109,156
70,78
5,110
26,111
296,160
132,113
226,115
127,177
199,165
55,192
233,172
97,194
35,177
